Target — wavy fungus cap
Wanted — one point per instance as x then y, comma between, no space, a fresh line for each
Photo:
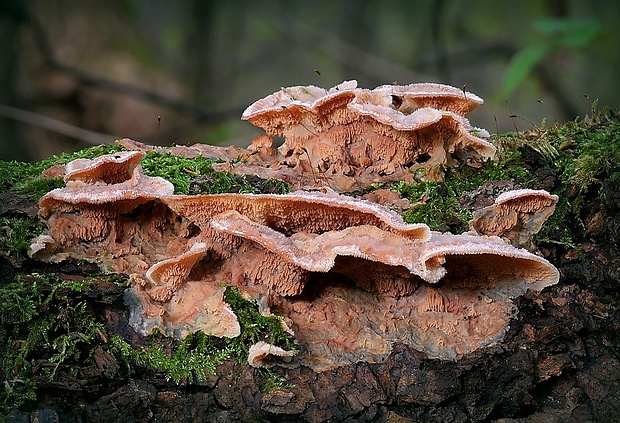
516,215
367,136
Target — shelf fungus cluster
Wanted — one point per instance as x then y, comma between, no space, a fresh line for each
348,276
353,136
348,138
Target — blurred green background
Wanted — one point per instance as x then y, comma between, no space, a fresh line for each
77,73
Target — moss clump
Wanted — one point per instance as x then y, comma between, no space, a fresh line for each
197,355
184,362
196,176
49,327
437,203
41,319
16,234
587,163
507,165
254,326
25,178
562,227
589,151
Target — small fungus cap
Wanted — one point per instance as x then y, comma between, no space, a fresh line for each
281,109
440,96
107,169
516,215
527,200
259,354
114,180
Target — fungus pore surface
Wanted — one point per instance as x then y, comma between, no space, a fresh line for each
349,137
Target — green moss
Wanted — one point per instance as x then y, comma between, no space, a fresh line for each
436,203
25,178
196,176
16,234
507,165
41,319
189,360
178,170
589,150
274,380
44,319
197,355
254,326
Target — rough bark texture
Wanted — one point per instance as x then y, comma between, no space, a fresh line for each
559,362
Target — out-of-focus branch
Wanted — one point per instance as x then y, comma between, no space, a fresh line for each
89,137
193,110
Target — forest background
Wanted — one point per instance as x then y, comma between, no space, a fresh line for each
73,74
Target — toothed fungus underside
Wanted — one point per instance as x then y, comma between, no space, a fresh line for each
348,276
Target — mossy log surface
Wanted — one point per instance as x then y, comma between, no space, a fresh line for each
67,353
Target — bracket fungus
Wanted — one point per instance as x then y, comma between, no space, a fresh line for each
516,215
261,353
354,137
350,277
106,169
93,212
348,138
461,302
156,302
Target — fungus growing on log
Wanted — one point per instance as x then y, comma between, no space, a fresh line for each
354,137
438,96
516,215
88,216
155,301
350,276
462,301
348,138
261,352
300,211
106,169
319,253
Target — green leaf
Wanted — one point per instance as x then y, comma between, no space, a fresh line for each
521,65
569,33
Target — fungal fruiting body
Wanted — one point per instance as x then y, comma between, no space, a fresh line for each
349,276
353,137
348,138
516,215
